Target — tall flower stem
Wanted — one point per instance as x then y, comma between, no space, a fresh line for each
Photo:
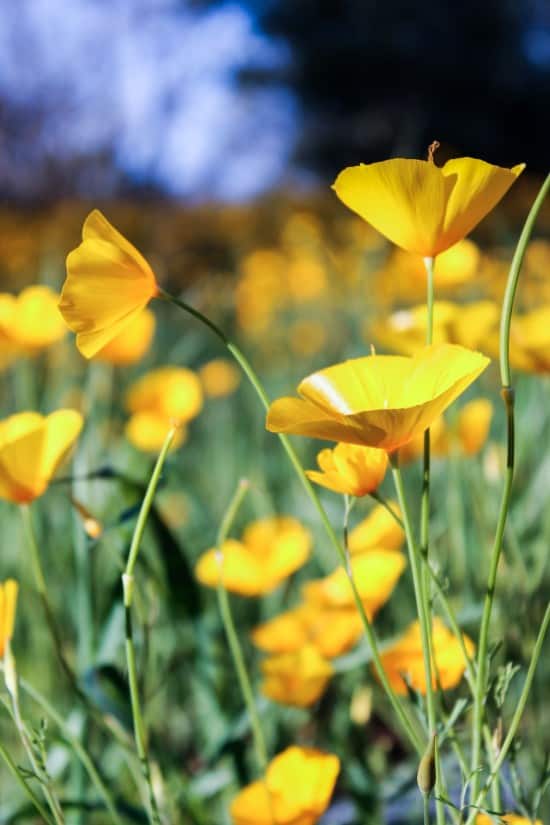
507,394
245,365
140,735
416,568
231,632
19,778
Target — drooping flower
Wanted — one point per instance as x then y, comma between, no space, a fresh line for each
349,469
295,790
108,284
379,400
8,601
130,345
403,661
32,447
421,207
270,550
298,678
378,530
375,575
219,378
159,399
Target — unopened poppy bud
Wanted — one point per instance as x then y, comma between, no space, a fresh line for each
425,776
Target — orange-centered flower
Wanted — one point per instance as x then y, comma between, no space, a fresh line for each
379,400
421,207
8,599
108,284
32,447
350,469
296,790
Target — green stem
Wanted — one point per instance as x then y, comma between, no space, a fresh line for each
314,498
128,589
508,398
426,799
518,713
76,745
414,558
231,632
14,770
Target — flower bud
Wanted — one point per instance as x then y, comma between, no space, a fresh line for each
425,776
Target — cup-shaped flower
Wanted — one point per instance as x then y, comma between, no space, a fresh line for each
422,207
108,284
159,399
8,600
378,530
379,400
32,447
295,790
298,678
271,549
404,663
130,345
332,631
350,469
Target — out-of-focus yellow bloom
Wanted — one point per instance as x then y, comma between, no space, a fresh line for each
404,658
510,819
297,678
457,265
349,469
473,323
405,330
295,790
219,378
305,278
332,631
30,321
8,601
378,530
439,443
375,575
474,421
421,207
108,284
159,399
270,550
32,447
130,345
380,400
529,341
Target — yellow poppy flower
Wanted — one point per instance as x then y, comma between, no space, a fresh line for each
295,790
298,678
380,400
378,530
130,345
108,284
32,447
219,378
31,321
271,549
421,207
375,575
8,600
404,658
349,469
510,819
332,631
157,400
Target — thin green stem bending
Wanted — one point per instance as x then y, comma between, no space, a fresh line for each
243,362
140,735
231,632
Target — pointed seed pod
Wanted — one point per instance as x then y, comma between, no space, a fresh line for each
425,776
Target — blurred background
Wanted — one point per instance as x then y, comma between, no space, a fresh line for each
224,101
